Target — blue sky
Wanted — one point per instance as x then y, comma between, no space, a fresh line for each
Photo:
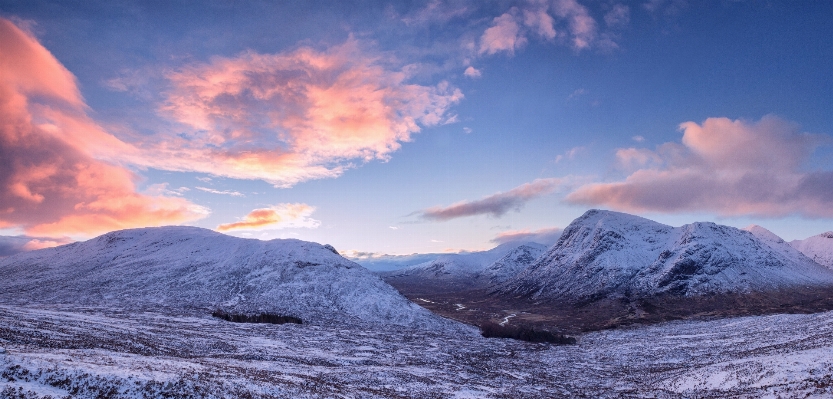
585,98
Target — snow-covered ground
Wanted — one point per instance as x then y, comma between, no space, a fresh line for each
100,353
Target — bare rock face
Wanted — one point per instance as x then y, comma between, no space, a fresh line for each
197,270
610,255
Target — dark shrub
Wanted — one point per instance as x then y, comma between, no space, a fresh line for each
259,318
529,334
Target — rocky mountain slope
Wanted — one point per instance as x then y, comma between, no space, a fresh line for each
818,248
188,269
610,255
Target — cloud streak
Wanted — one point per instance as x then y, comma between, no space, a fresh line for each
223,192
56,178
546,236
495,205
728,167
280,216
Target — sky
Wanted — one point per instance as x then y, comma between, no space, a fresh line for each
407,127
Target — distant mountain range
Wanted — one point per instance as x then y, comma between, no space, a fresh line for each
470,270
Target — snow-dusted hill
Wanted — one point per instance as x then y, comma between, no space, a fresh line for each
470,269
605,254
818,248
192,269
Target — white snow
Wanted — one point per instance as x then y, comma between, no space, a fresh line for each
818,248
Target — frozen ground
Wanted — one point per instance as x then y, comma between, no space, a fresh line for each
102,353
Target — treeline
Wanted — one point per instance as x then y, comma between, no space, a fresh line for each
529,334
269,318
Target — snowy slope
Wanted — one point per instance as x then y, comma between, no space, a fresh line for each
818,248
193,269
511,264
605,254
466,268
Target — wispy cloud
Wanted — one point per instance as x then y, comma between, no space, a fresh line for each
223,192
570,154
435,12
495,205
546,236
280,216
724,166
58,176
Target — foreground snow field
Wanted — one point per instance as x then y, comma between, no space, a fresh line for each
102,353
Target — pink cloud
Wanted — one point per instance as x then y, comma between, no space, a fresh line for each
723,166
504,35
290,117
472,72
11,245
275,217
546,236
562,21
496,204
537,19
618,16
582,26
51,181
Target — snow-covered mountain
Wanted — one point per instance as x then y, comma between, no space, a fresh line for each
470,269
511,264
818,248
192,269
605,254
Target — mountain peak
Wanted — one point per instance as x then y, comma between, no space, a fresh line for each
611,254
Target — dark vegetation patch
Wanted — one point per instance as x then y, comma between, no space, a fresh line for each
529,334
268,318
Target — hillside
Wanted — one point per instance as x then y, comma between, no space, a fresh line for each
611,255
188,269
